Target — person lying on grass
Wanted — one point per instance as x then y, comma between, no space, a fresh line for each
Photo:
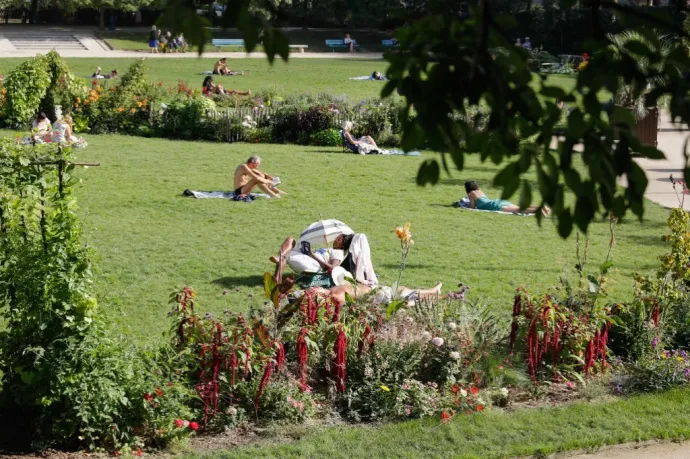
99,75
350,253
478,200
248,176
209,88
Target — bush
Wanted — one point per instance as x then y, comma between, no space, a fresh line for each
286,124
26,87
326,138
315,119
664,370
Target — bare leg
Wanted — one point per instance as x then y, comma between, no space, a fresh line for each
249,186
266,189
286,248
422,294
546,211
370,141
278,190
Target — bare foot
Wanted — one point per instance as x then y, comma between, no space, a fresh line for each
437,288
546,211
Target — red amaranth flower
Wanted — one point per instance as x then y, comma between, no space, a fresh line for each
264,382
302,358
339,350
280,358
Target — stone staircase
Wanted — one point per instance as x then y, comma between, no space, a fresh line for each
41,40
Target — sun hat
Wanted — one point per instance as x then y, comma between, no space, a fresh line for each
340,276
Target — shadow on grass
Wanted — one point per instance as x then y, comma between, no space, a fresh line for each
647,240
236,281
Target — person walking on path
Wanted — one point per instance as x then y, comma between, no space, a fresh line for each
153,40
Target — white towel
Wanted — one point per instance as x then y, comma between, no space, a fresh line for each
361,256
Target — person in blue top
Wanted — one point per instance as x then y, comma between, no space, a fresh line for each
478,200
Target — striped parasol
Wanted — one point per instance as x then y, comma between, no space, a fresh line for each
324,231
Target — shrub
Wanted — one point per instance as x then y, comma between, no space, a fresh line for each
286,124
315,119
259,135
326,138
26,86
664,370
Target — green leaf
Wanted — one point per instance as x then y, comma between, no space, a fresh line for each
565,223
429,172
269,285
525,195
651,152
394,307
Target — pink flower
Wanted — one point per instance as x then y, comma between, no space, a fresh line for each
438,341
179,423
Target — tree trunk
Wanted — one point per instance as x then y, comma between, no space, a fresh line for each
33,12
101,17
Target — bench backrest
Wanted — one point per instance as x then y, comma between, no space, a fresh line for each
389,42
228,41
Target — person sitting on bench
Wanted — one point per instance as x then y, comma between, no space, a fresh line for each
248,176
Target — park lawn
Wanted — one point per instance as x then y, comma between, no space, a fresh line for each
297,76
495,434
369,41
149,240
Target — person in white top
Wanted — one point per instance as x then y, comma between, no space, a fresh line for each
41,128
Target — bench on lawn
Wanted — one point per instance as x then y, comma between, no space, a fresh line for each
218,42
390,43
333,44
301,48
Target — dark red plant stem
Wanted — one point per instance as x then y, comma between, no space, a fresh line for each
280,359
339,350
363,341
302,358
517,302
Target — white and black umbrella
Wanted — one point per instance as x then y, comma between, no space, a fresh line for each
324,231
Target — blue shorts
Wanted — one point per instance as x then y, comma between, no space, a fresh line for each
153,43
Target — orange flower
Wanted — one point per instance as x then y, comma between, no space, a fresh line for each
479,408
132,111
404,233
86,102
120,109
78,100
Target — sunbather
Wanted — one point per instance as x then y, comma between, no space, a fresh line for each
364,145
321,261
209,88
248,176
478,200
98,74
221,67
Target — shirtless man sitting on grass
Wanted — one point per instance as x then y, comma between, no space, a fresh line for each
248,175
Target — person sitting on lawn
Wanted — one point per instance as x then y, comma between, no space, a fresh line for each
221,67
62,133
209,88
41,129
248,176
478,200
364,145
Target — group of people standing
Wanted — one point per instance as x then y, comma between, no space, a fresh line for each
166,42
527,43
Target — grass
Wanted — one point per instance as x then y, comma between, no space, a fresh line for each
150,240
494,434
299,75
369,41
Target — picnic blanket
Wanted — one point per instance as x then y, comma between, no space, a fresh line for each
210,72
366,78
400,152
464,203
223,195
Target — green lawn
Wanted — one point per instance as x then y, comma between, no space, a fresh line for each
149,239
369,41
299,75
497,435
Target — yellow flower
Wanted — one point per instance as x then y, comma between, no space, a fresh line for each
385,388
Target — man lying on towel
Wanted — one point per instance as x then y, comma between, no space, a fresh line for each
248,175
478,200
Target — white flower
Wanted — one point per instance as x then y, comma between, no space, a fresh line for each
438,341
452,325
426,336
463,392
504,392
247,118
455,355
232,411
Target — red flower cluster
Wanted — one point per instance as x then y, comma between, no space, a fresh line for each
180,424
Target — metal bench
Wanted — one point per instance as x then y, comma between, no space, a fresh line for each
301,48
218,42
392,43
333,44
